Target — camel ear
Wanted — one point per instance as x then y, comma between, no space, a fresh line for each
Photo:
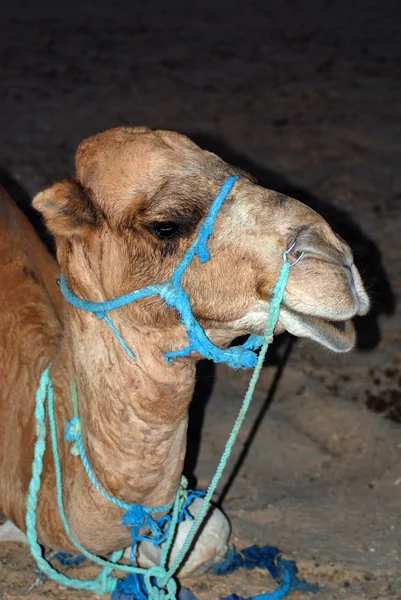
67,209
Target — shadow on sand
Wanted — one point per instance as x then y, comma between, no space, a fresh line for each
369,262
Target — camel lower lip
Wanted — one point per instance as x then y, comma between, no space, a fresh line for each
337,335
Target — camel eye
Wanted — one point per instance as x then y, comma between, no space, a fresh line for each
165,230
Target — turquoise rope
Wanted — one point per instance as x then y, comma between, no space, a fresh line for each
73,434
104,582
166,586
274,311
116,501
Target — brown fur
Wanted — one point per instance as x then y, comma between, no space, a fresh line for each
134,414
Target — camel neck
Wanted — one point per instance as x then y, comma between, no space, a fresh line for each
133,413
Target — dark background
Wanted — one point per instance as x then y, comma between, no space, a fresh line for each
306,96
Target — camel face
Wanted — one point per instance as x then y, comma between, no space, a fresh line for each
135,209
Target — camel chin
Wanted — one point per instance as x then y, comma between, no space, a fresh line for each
209,548
338,336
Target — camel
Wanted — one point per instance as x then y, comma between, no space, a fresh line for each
123,223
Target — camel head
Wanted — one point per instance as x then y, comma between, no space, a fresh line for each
134,209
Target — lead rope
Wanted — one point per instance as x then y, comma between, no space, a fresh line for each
166,587
274,310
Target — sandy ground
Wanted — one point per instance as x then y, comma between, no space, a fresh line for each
307,97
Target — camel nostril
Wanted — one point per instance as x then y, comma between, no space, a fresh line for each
311,243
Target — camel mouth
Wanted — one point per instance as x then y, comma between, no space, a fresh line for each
336,335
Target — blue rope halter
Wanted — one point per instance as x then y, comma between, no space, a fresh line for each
172,292
158,582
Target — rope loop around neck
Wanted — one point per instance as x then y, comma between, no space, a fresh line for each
159,580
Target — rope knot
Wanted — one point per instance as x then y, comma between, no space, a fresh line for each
168,292
71,432
137,517
159,585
